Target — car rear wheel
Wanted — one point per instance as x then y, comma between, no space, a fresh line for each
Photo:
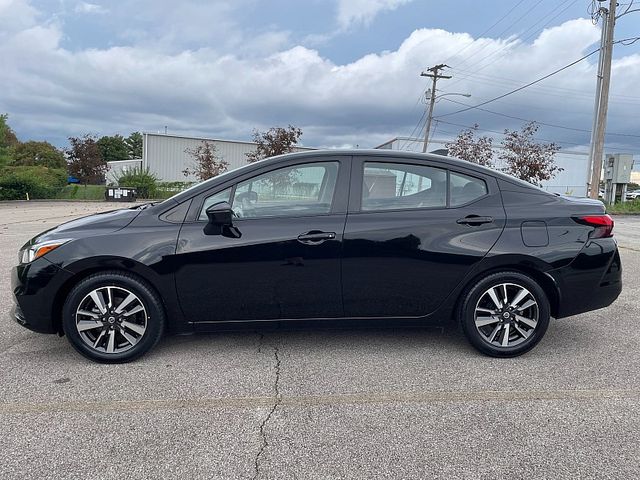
505,314
113,317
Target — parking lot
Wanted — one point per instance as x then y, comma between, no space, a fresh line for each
322,403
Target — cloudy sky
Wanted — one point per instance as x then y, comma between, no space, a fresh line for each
345,71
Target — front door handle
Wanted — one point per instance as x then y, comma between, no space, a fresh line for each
474,220
315,237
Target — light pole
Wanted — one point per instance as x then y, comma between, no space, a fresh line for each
432,100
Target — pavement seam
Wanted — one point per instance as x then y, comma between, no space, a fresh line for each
277,399
316,400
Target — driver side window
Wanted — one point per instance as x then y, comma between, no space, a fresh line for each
292,191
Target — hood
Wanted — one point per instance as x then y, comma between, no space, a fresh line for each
104,222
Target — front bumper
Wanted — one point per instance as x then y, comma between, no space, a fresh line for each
592,281
35,287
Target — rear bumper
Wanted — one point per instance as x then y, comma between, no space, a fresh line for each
592,281
35,287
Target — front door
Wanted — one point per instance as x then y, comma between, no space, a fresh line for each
282,260
414,232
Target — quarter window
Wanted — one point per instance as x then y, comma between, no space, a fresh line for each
390,186
465,189
293,191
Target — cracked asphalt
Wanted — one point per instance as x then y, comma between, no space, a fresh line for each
320,403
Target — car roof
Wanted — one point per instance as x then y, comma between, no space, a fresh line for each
400,154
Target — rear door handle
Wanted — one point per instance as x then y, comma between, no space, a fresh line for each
474,220
315,237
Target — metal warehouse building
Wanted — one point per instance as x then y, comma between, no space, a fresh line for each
166,155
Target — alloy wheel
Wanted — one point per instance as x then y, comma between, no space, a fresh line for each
506,315
111,319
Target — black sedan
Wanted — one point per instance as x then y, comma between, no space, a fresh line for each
333,235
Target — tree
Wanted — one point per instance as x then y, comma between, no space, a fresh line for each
38,154
8,140
134,144
467,147
85,160
275,141
206,163
113,148
527,159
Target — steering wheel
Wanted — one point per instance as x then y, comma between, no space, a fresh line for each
246,201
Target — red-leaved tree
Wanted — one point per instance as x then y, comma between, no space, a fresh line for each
206,162
526,158
467,147
85,160
275,141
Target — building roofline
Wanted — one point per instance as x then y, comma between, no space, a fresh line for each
125,160
191,137
437,140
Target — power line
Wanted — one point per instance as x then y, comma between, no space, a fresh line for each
525,37
486,31
418,125
546,89
493,25
473,55
553,125
503,134
522,87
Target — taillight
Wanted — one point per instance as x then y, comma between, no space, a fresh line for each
602,224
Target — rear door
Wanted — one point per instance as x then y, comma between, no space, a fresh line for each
413,231
282,258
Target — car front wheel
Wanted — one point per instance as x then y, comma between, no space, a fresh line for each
113,317
505,314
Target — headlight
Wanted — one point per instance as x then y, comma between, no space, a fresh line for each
37,250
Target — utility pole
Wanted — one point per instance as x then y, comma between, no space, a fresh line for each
602,97
435,75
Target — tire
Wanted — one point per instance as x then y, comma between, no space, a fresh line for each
487,320
113,317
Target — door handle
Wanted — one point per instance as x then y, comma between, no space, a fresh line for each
474,220
315,237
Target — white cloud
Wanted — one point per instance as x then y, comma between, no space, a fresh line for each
352,12
90,8
52,92
16,15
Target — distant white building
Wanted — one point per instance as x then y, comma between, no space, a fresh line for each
572,180
166,156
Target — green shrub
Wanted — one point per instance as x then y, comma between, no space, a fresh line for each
169,189
38,182
145,182
628,207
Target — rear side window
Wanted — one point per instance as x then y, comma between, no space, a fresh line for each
392,186
465,189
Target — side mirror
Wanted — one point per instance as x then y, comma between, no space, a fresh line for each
220,214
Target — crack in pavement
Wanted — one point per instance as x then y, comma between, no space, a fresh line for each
260,342
277,400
